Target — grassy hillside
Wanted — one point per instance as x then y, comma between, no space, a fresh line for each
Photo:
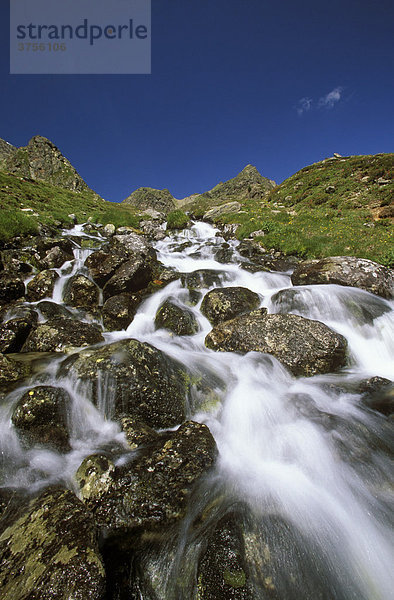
342,206
51,206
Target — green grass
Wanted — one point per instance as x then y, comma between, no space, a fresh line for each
177,219
53,205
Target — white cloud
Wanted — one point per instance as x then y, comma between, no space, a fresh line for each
330,99
304,105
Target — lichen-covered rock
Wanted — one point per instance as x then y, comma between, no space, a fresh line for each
62,335
137,433
132,276
13,334
118,311
222,304
41,286
349,271
46,244
11,371
40,417
11,287
180,321
55,257
377,393
51,552
51,310
304,346
153,490
103,264
80,292
223,570
17,261
140,381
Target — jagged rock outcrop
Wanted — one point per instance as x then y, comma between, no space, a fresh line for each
147,198
304,346
348,271
51,552
41,160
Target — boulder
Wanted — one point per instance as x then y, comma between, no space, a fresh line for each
102,265
13,334
118,311
51,552
46,244
377,393
11,287
11,370
180,321
140,381
223,209
151,492
222,304
132,276
18,262
55,258
40,417
81,292
304,346
137,433
62,335
109,229
348,271
41,286
51,310
202,278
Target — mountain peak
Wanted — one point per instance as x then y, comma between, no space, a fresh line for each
146,198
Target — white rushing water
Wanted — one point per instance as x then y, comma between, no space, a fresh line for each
301,448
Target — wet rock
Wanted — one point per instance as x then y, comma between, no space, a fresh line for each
153,490
17,262
218,211
223,571
51,552
180,321
13,334
131,276
224,254
137,433
62,335
11,287
304,346
118,311
46,244
131,245
378,394
80,292
41,286
140,381
348,271
203,278
252,249
94,476
222,304
11,370
102,265
51,310
55,258
40,417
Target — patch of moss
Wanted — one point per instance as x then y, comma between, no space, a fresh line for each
235,579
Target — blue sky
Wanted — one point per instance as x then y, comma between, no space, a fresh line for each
279,85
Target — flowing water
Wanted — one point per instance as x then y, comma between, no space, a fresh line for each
303,451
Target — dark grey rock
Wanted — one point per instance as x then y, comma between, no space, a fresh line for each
180,321
41,286
222,304
62,335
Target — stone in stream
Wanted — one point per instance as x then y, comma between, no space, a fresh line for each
40,417
102,265
348,271
51,310
378,394
81,292
222,304
132,276
12,370
55,258
41,286
11,287
13,334
137,379
304,346
152,491
62,335
203,278
50,552
180,321
118,311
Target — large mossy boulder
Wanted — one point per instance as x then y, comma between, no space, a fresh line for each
118,311
152,491
41,286
40,417
175,318
62,335
222,304
304,346
51,552
140,380
81,292
348,271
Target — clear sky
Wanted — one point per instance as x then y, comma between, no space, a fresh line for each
277,84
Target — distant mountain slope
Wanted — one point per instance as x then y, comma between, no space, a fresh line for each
146,198
41,160
249,183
